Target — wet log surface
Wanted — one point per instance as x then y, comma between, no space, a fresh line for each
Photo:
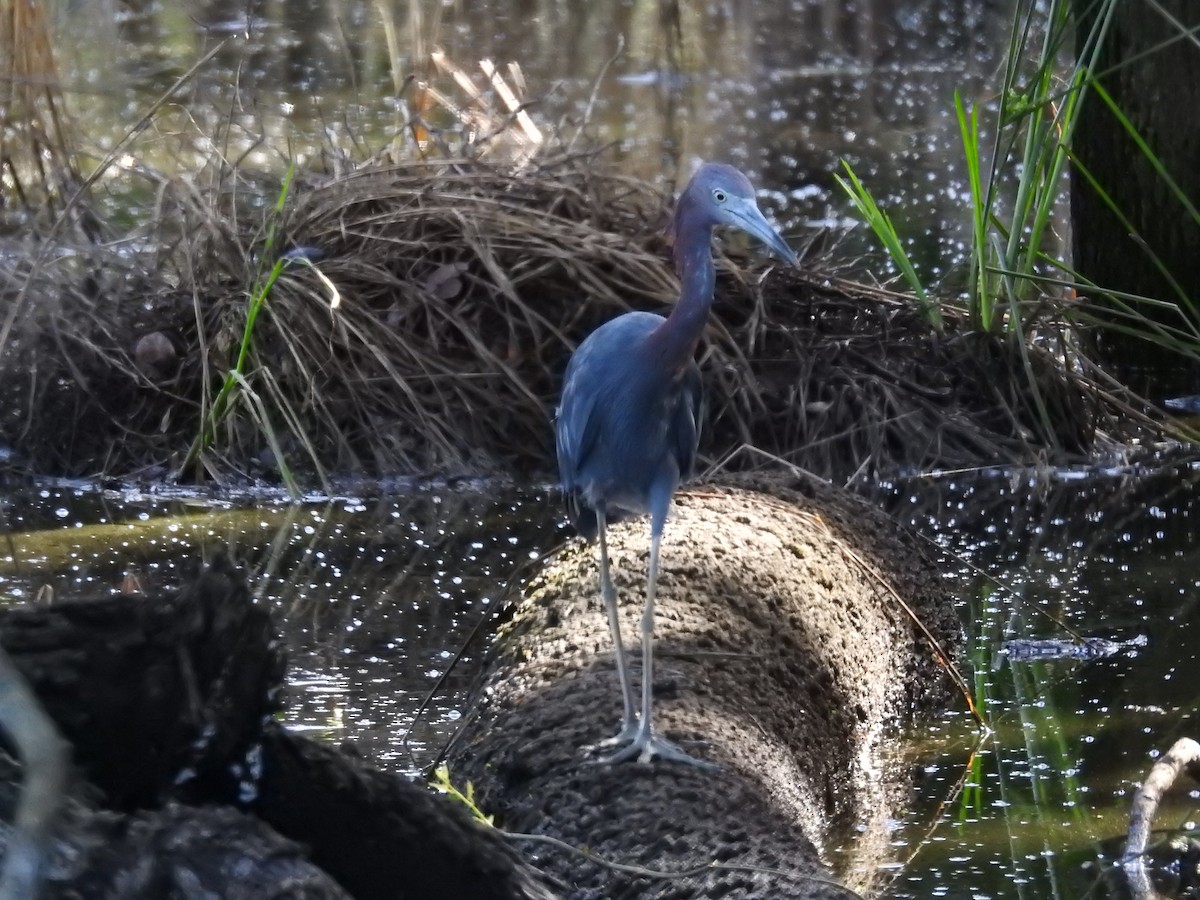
782,652
159,696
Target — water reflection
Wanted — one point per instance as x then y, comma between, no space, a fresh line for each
377,596
1036,809
783,90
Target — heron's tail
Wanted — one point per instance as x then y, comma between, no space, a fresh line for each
584,520
582,516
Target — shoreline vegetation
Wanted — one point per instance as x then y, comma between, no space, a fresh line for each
415,317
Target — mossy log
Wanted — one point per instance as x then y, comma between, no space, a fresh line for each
783,652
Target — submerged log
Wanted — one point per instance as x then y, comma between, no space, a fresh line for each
167,701
159,696
1183,757
1181,761
784,650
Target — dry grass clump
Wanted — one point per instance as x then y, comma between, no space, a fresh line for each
432,329
38,171
460,289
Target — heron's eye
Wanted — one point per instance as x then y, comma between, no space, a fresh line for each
719,195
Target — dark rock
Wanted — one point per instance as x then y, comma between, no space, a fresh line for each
155,355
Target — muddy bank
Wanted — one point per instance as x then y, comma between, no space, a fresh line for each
783,654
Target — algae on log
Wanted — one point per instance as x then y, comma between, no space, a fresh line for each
782,647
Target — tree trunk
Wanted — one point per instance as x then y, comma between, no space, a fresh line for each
783,648
1158,89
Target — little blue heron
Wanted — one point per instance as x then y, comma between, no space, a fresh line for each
629,420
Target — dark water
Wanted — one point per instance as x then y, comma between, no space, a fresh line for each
1035,809
786,90
377,597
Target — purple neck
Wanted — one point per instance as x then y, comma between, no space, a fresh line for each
679,334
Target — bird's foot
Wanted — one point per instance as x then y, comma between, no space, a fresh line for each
627,734
646,746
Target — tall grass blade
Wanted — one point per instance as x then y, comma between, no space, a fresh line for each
1035,121
1151,157
258,412
1111,204
879,222
235,379
981,309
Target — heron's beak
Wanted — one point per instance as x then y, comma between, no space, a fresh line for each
750,220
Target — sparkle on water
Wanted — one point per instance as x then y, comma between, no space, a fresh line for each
785,91
1037,808
376,597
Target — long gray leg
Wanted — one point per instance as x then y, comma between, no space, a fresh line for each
629,722
646,745
648,639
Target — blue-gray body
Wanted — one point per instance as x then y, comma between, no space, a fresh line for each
628,423
627,426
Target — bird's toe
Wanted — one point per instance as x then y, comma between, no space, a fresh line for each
646,747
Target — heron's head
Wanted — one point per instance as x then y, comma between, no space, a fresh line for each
719,194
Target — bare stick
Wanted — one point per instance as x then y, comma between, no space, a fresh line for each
1182,758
